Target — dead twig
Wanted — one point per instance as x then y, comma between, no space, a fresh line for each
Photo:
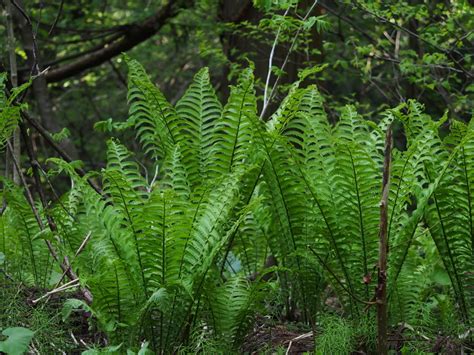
58,16
302,336
67,286
78,251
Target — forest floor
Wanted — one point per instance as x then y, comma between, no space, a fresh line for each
45,318
286,338
78,333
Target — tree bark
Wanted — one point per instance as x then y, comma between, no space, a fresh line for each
16,149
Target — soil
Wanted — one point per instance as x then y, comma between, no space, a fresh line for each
266,337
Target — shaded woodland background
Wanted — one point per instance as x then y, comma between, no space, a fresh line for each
375,54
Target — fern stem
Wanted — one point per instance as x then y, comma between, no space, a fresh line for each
469,200
119,309
397,194
381,290
361,223
336,278
231,241
134,232
195,216
242,103
32,254
328,226
459,285
163,269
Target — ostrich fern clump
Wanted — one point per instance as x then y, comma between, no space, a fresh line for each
173,255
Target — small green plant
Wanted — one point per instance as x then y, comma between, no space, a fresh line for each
17,342
51,333
335,336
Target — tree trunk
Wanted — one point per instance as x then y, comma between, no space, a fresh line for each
39,85
16,151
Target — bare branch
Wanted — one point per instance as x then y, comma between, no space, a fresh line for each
128,38
58,15
270,64
265,100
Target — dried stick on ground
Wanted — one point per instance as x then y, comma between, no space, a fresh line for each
381,291
78,251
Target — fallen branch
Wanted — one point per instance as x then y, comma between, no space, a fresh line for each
302,336
67,286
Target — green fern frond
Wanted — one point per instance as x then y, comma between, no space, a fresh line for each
176,176
234,305
450,219
27,251
199,109
233,130
154,118
9,113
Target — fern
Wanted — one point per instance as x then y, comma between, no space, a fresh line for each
9,110
234,128
231,308
150,254
173,256
200,109
26,252
450,219
153,117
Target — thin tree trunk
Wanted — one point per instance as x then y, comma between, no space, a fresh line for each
39,85
381,291
16,150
